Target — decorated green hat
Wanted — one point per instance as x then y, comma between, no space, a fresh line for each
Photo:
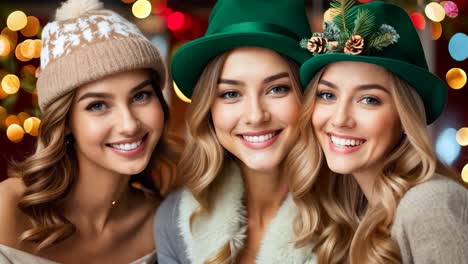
274,24
381,34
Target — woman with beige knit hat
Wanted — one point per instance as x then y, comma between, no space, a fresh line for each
103,122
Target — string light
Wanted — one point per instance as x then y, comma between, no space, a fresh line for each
17,20
456,78
15,133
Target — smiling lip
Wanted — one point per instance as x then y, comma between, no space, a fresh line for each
344,144
129,148
259,140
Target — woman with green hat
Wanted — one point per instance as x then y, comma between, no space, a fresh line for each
380,191
242,78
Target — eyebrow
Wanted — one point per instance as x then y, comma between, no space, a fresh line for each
266,80
107,95
370,86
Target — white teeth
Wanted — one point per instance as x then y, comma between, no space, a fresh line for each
258,139
341,142
128,146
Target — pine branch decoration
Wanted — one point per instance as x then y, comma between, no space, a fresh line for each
364,23
386,36
339,9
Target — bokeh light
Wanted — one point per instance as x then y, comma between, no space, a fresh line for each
419,21
462,136
180,94
175,21
436,30
5,46
464,173
451,9
435,12
456,78
12,119
458,46
141,8
22,116
17,20
19,55
364,1
12,36
32,27
10,84
447,148
31,126
15,133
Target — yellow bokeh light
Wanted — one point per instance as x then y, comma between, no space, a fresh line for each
22,116
10,84
27,48
17,20
464,173
180,94
31,126
37,46
2,93
141,8
456,78
435,12
32,27
5,46
15,133
12,36
12,119
19,55
462,136
436,30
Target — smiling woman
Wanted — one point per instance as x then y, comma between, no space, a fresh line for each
103,126
380,191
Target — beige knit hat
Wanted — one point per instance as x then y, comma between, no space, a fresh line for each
87,43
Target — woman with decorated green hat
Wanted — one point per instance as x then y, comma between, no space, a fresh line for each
380,191
242,78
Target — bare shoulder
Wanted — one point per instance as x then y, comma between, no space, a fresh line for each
10,215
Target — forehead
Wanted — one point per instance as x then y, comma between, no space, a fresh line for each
357,73
116,83
253,61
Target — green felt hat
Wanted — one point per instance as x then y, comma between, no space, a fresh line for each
274,24
381,34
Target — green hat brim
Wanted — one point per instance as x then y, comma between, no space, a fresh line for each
431,89
189,61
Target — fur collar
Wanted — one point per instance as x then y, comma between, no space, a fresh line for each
227,224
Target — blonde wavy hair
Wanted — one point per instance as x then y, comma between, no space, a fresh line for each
204,157
334,213
50,173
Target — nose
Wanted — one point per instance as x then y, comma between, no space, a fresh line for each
343,115
256,111
128,122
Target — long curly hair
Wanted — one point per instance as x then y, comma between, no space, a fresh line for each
50,173
334,213
204,157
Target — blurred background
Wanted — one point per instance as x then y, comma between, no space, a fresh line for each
442,26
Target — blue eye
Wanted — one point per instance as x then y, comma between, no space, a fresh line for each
327,96
371,101
230,95
96,107
279,89
142,96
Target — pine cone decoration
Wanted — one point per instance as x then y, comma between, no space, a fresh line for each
317,44
354,45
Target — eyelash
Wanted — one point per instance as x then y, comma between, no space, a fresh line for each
92,106
284,88
322,95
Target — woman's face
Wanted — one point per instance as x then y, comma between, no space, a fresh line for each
256,107
355,118
116,122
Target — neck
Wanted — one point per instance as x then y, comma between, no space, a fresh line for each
265,192
96,197
366,181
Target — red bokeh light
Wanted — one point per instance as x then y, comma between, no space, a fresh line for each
175,21
418,21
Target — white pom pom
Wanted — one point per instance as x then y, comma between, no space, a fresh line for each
76,8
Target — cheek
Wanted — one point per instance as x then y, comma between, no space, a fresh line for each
286,110
224,116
